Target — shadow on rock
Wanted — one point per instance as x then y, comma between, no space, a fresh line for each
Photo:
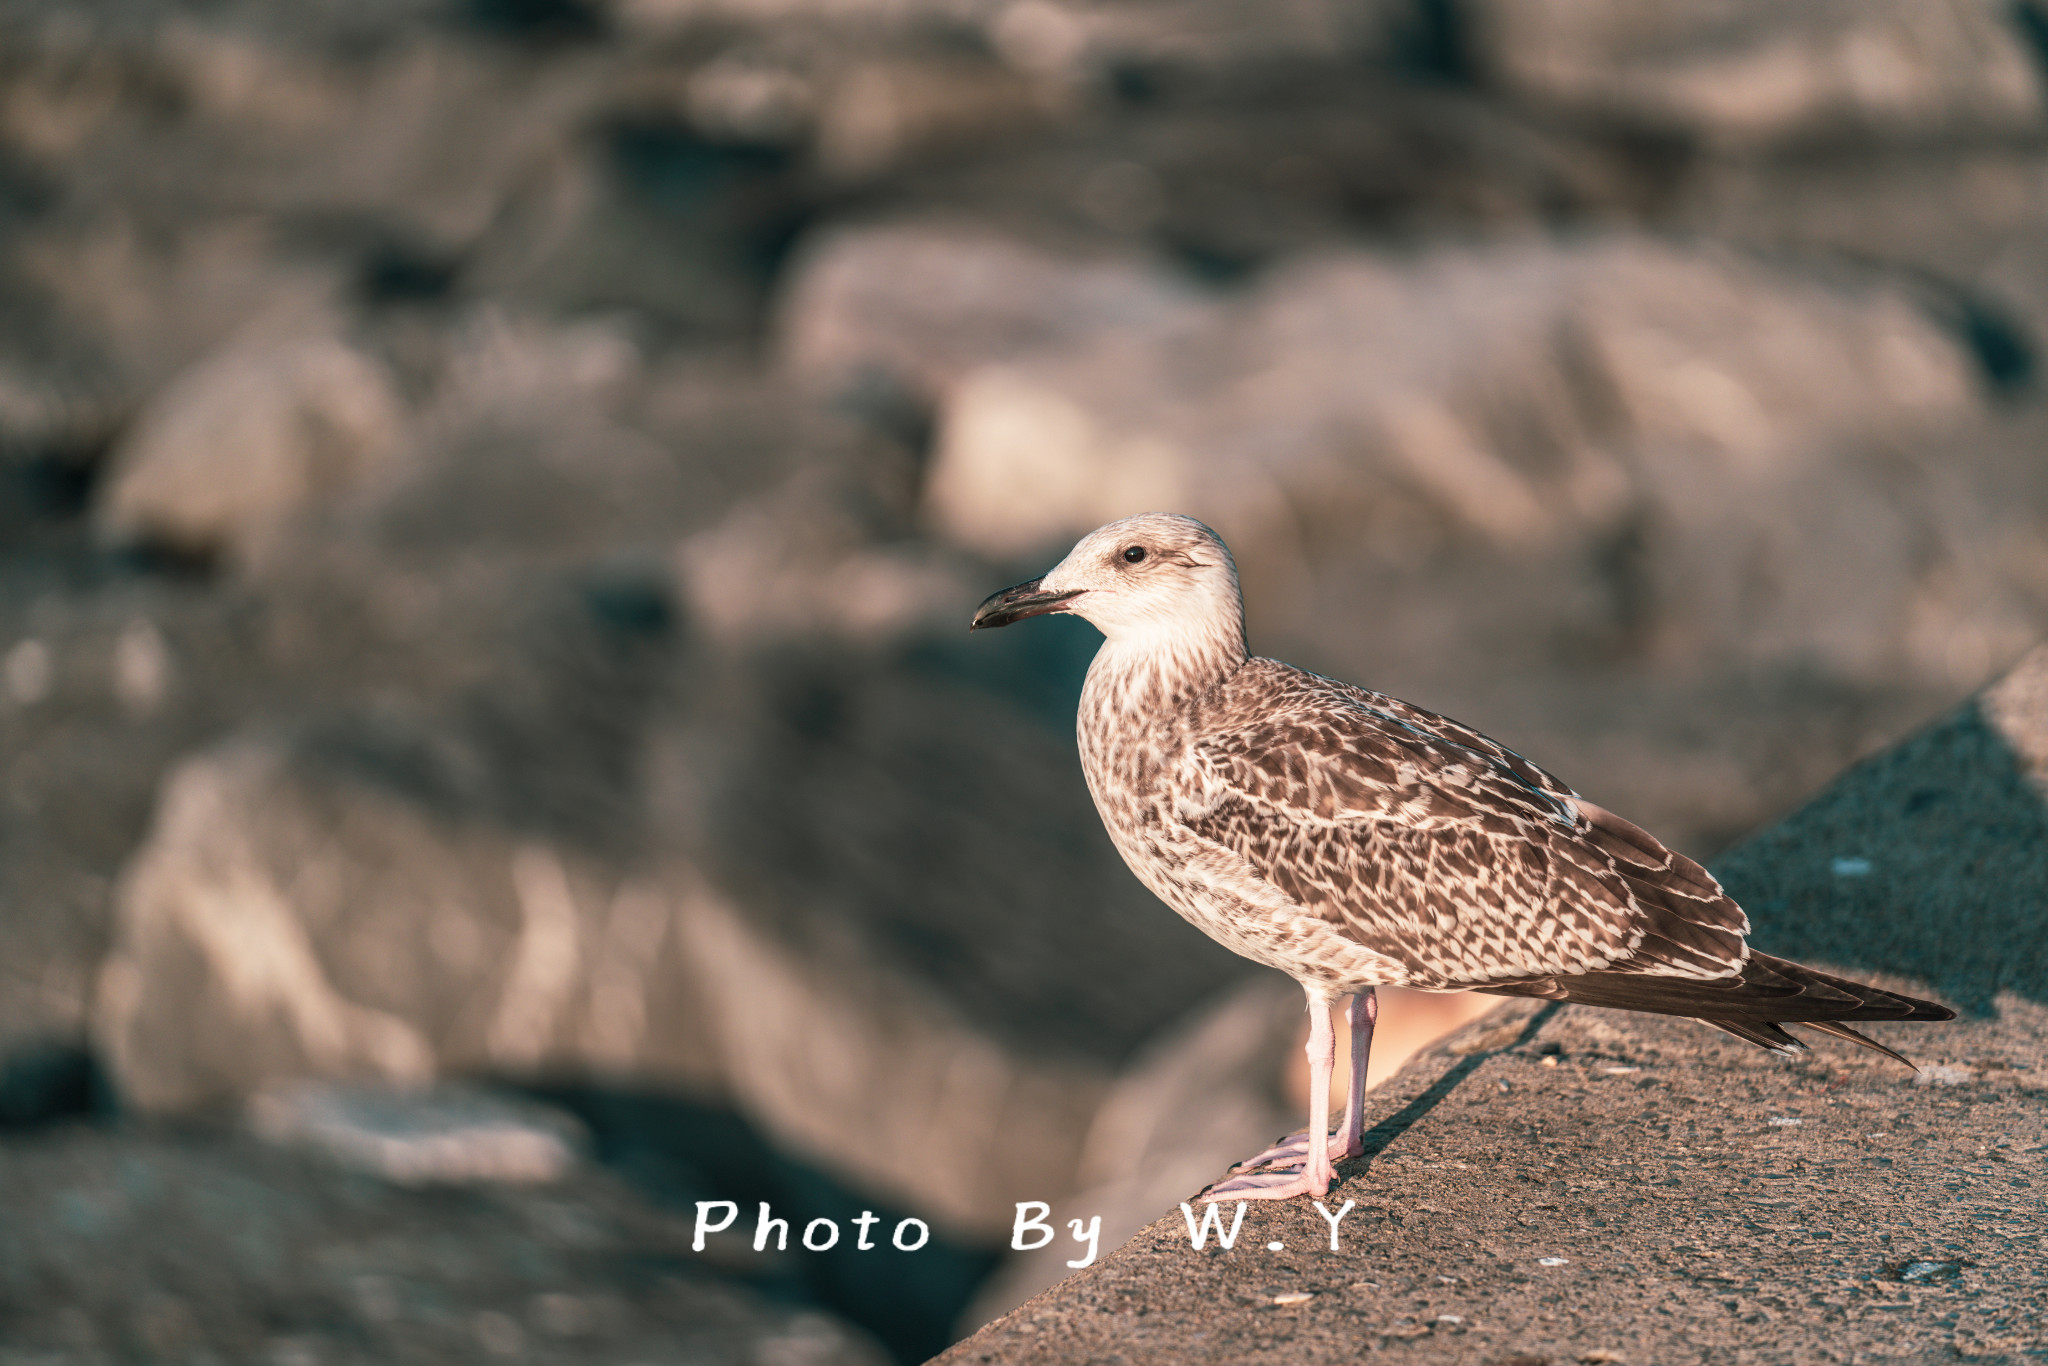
680,1151
1927,861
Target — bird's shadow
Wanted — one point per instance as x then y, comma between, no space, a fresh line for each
1382,1135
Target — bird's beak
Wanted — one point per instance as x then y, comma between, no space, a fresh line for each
1015,604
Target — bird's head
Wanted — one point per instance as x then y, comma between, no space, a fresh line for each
1156,574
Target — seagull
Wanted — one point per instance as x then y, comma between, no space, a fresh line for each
1354,841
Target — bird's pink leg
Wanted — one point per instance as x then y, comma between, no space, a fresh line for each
1316,1173
1361,1014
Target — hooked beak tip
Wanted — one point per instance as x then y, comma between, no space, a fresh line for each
1016,603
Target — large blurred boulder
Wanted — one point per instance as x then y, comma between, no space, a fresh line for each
919,304
1964,216
432,866
1516,482
1520,390
521,481
171,235
345,906
1753,73
233,449
1532,401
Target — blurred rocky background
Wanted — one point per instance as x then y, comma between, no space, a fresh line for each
491,490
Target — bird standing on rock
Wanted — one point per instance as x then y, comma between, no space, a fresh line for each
1354,841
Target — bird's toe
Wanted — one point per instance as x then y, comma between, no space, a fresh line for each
1270,1185
1290,1151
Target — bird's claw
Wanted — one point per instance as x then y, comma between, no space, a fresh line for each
1269,1185
1292,1151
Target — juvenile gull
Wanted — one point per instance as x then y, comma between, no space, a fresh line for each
1354,841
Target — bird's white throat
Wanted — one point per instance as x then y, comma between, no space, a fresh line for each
1155,670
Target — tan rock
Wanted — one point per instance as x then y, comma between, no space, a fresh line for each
237,446
1752,74
285,920
878,115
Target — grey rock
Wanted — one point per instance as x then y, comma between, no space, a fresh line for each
501,513
1918,859
552,856
138,1244
1584,1185
920,304
1555,452
802,563
60,396
1964,220
1467,483
861,889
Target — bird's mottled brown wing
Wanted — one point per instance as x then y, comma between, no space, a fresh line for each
1437,847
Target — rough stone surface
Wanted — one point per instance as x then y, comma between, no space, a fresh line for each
153,1246
1569,1185
1207,1094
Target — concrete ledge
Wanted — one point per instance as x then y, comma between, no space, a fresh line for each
1569,1185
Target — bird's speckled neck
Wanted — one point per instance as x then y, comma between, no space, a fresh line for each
1153,674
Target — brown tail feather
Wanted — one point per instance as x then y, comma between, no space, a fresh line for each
1762,1035
1769,992
1842,1031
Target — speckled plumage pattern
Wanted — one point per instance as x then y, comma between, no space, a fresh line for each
1404,849
1353,841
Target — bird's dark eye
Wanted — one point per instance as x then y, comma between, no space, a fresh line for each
1133,554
